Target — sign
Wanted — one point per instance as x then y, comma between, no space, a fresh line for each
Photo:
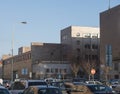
93,71
108,55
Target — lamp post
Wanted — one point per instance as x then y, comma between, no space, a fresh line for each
12,52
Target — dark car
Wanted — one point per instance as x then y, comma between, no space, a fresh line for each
100,89
3,90
42,90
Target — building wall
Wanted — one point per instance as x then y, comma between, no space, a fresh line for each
47,69
45,52
110,35
83,43
73,39
1,72
50,54
21,66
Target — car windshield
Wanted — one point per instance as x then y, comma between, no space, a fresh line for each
49,91
97,88
36,83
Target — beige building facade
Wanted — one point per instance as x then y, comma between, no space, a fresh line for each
40,60
21,65
109,43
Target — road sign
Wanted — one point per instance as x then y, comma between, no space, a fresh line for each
93,71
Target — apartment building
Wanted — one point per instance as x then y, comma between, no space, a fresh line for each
109,43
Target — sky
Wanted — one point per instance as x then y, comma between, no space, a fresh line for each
45,19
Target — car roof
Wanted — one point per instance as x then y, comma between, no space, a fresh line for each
42,86
33,80
2,87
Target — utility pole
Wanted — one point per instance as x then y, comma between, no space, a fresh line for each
12,52
109,5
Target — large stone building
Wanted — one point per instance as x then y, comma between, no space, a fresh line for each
109,43
41,60
47,61
83,43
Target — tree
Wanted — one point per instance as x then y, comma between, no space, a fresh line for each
87,66
75,65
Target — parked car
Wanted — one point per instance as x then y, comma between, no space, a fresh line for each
100,89
71,88
28,83
19,86
93,82
79,80
3,90
88,89
42,90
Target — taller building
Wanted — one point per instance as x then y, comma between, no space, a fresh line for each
109,42
83,44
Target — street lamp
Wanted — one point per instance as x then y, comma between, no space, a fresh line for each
12,51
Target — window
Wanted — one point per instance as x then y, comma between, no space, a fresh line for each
47,70
116,66
64,37
94,46
24,71
56,70
87,46
78,42
88,35
78,50
65,70
52,70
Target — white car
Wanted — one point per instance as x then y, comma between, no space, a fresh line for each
93,82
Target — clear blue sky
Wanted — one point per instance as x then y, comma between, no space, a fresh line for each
45,19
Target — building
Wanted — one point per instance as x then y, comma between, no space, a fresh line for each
40,60
47,61
83,44
78,45
0,69
109,43
21,64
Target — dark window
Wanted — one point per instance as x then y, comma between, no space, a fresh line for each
52,70
94,46
78,50
65,70
78,42
47,70
116,66
87,46
56,70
